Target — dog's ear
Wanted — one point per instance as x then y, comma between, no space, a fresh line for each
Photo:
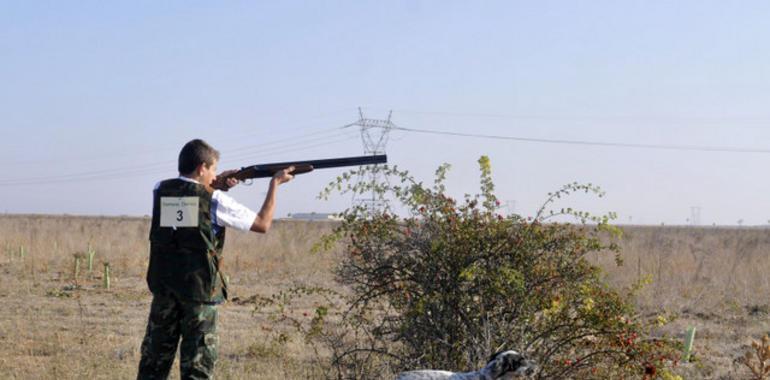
494,356
496,365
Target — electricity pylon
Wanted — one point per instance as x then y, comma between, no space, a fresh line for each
374,136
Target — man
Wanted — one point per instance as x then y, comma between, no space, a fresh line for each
186,240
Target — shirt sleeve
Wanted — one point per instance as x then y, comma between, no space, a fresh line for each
227,212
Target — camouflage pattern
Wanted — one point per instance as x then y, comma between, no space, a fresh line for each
169,320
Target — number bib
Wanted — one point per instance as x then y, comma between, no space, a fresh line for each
179,212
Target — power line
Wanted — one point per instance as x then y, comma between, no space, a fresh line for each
299,144
144,150
283,149
135,172
698,148
248,152
588,117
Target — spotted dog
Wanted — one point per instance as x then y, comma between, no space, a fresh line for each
504,365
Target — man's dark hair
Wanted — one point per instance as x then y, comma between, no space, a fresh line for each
195,153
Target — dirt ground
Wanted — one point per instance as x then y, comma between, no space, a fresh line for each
54,331
53,326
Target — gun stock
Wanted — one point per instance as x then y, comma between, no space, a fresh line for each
300,167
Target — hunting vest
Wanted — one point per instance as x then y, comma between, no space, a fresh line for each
185,252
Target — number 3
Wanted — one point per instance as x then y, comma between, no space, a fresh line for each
179,216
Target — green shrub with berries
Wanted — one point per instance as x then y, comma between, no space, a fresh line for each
451,282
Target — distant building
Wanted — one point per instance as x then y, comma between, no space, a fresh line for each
313,216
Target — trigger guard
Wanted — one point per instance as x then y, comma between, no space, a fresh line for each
248,182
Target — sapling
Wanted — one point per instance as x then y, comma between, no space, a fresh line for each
91,252
688,342
76,270
107,276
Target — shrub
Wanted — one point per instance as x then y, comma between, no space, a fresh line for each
758,361
454,281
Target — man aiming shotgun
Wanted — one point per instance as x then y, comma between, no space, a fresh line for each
189,217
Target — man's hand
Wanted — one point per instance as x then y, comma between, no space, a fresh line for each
283,176
223,183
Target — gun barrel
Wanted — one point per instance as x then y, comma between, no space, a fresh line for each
329,163
267,170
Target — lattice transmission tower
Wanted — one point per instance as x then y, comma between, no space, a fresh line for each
374,136
695,216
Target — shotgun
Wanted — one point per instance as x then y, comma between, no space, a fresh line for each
300,167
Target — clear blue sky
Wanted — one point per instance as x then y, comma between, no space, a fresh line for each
91,85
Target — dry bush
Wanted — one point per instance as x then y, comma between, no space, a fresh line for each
758,360
454,281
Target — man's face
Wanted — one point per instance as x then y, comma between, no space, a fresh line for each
208,173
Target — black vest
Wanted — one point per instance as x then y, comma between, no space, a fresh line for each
185,257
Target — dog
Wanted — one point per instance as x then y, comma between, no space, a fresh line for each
504,365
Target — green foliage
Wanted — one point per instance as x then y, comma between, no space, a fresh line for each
455,281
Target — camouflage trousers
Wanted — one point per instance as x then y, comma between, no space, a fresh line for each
169,320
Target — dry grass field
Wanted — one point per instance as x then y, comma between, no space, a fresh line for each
54,326
715,279
52,329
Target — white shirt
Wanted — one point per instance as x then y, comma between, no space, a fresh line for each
226,211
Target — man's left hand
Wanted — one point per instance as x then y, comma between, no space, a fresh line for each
228,183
